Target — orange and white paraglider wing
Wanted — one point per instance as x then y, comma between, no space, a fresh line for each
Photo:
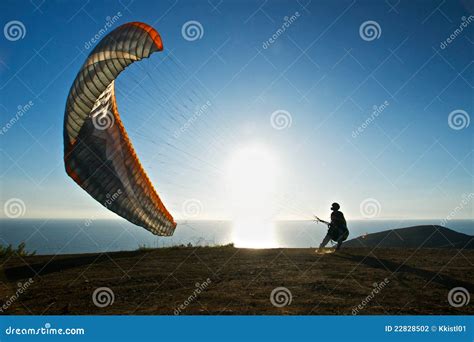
98,153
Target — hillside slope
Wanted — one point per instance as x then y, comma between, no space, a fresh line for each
415,237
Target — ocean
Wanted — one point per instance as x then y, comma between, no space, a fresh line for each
86,236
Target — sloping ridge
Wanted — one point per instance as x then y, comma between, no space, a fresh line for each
430,236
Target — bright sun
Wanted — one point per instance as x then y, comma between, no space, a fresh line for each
252,177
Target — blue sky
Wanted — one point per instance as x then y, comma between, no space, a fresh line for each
319,71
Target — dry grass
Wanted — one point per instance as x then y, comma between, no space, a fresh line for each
241,280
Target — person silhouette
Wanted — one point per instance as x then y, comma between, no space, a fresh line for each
337,228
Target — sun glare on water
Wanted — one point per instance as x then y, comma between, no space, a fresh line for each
252,179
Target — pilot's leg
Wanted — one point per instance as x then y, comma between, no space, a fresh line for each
325,241
341,239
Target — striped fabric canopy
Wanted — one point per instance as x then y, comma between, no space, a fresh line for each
98,153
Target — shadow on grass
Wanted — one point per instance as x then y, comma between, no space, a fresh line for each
60,264
393,267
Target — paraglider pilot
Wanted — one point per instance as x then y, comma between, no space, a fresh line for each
337,228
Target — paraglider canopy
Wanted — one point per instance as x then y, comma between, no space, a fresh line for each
98,154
